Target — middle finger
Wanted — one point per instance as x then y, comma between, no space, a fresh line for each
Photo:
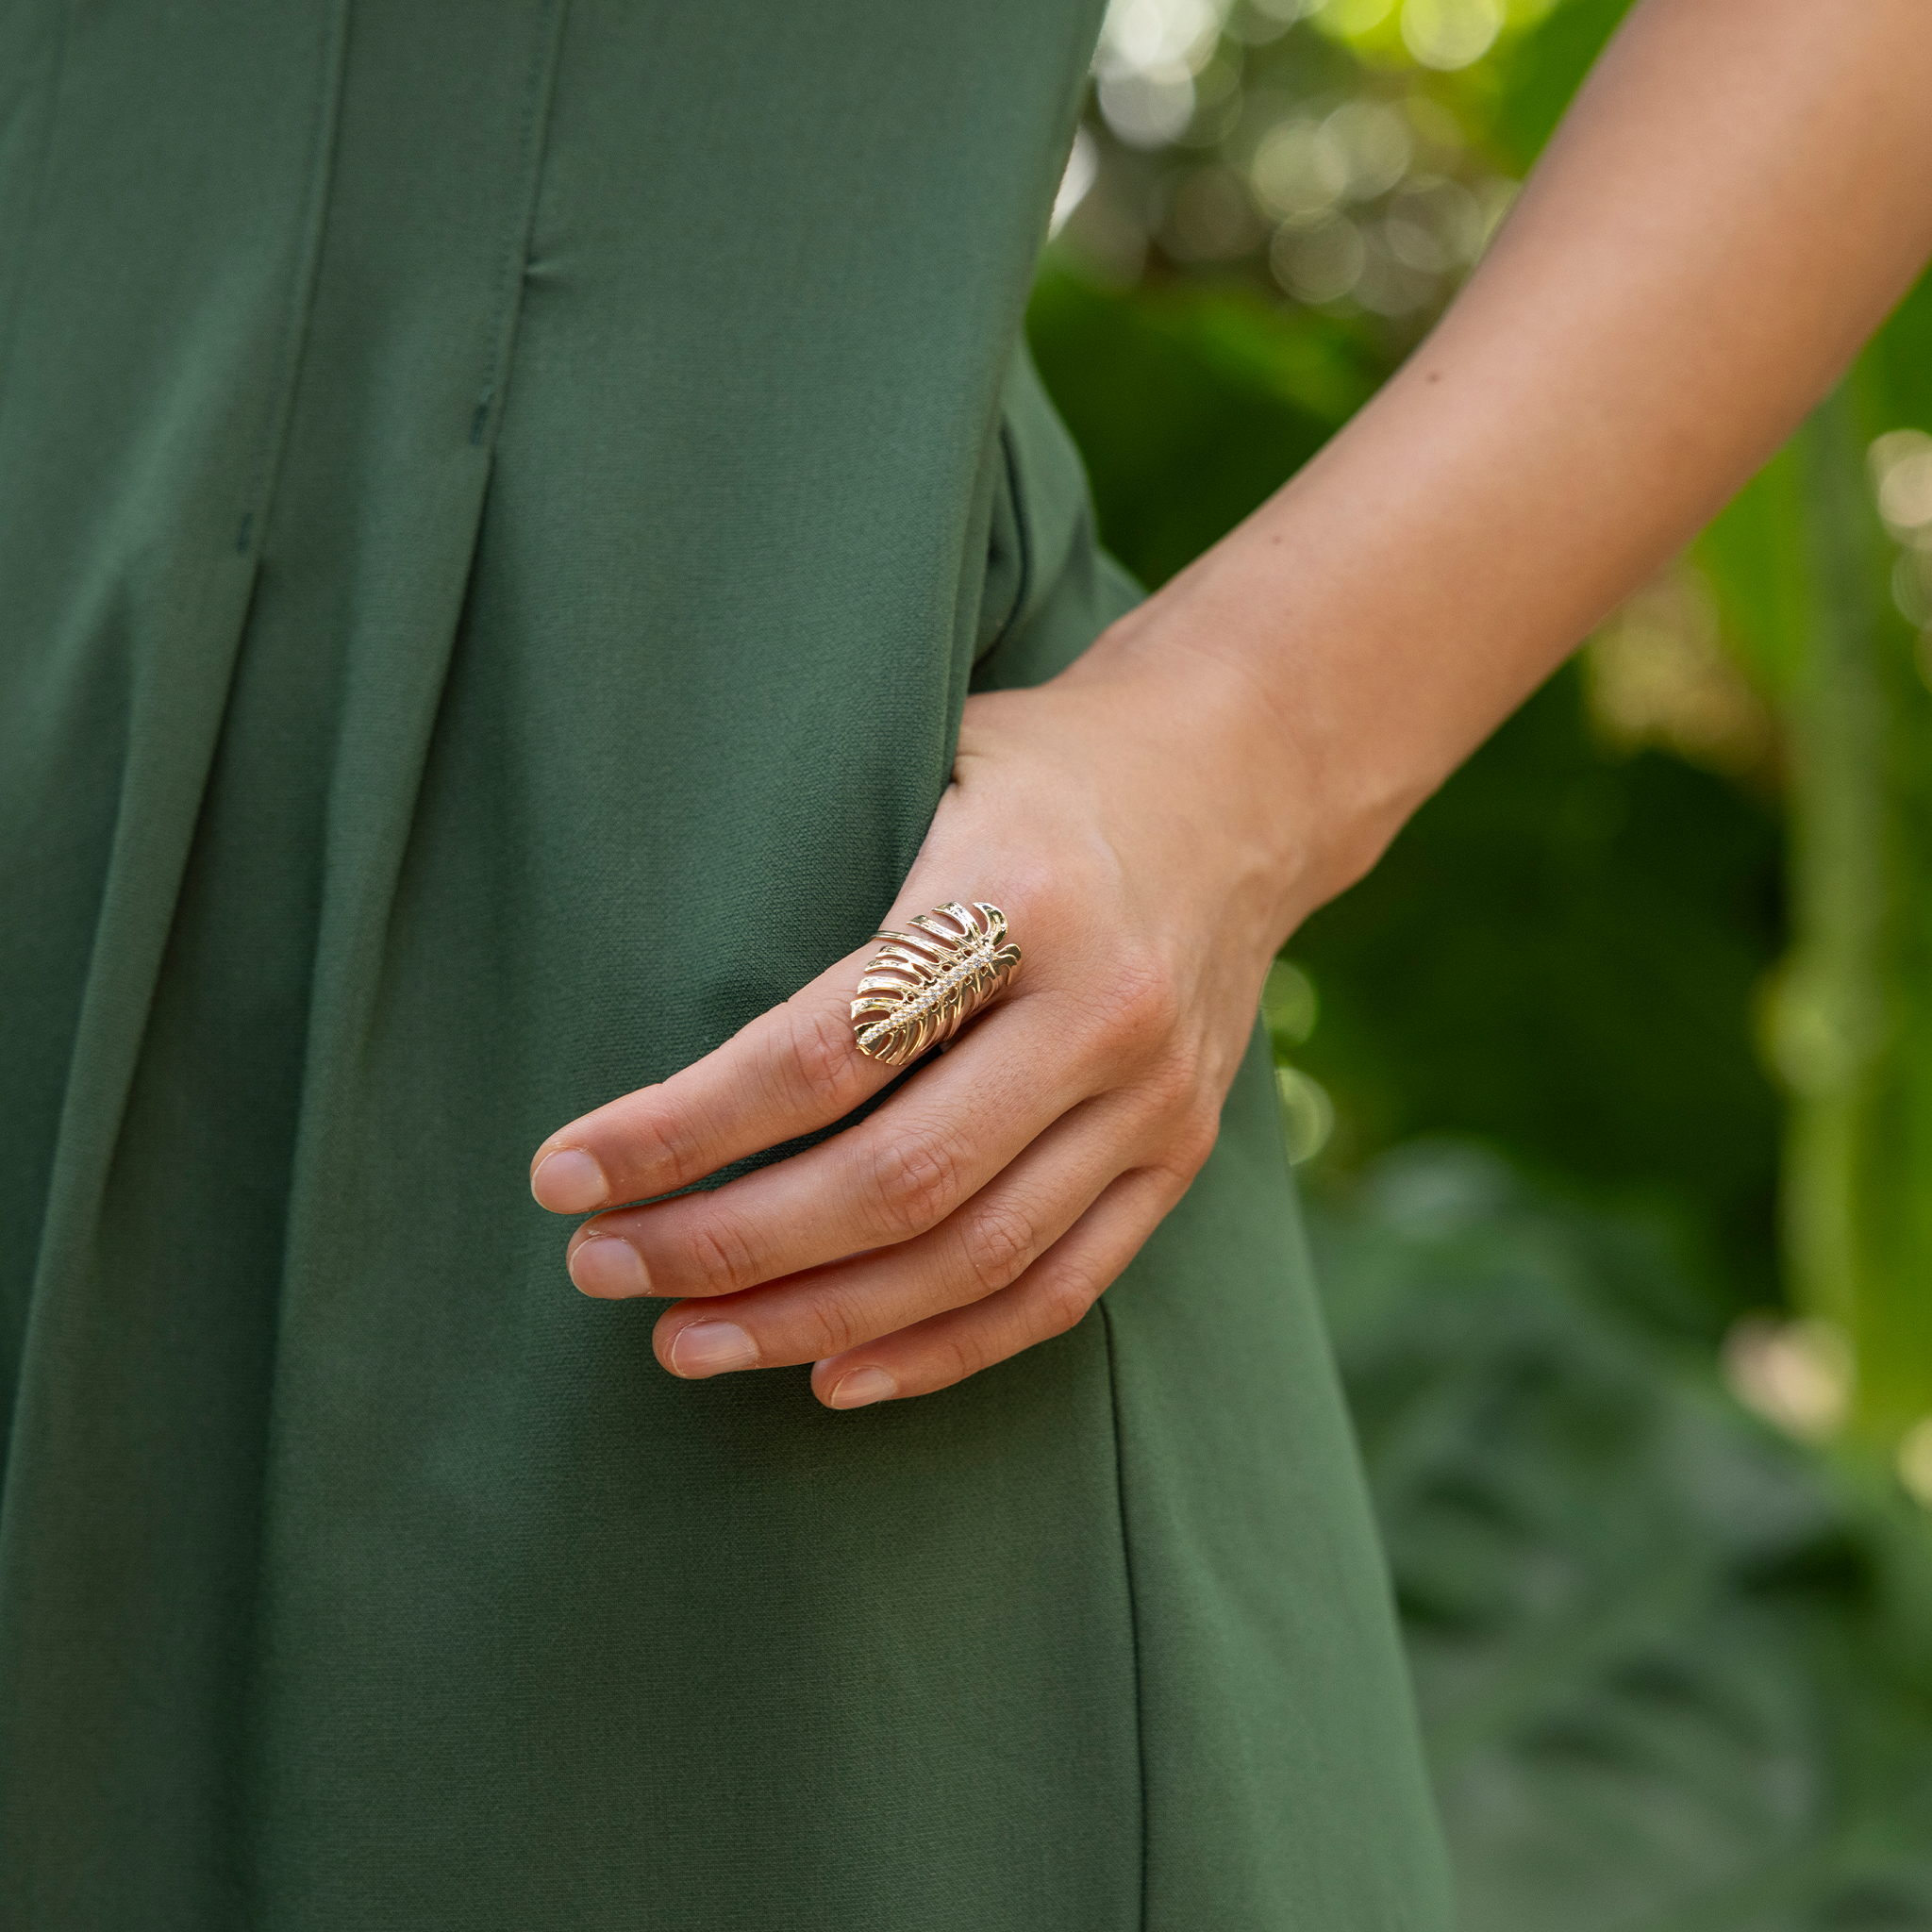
937,1142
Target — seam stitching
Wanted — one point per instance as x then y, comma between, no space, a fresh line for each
1022,532
538,87
1014,621
1119,1482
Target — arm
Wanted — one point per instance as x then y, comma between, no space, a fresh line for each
1735,199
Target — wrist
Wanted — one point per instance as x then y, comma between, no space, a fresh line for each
1273,775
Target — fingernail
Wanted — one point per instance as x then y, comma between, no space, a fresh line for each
862,1386
607,1266
569,1182
708,1348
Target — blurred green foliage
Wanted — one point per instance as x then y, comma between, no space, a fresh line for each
1673,1672
1813,586
1630,1032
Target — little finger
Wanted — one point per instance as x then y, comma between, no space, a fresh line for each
1047,1300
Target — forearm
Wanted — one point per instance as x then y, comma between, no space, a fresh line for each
1738,197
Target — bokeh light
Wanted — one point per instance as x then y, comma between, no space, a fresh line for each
1290,1009
1375,144
1299,172
1300,145
1145,66
1658,673
1307,1114
1320,264
1899,465
1914,1461
1289,1003
1353,18
1448,34
1798,1375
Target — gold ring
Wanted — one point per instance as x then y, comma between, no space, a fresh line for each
922,987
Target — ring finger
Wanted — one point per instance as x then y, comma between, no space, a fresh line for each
975,1252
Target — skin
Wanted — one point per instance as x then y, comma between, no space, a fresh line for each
1735,199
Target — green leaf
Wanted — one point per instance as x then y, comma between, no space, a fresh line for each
1658,1651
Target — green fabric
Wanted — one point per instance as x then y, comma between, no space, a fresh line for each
499,509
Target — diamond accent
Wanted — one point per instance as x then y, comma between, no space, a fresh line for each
927,981
976,961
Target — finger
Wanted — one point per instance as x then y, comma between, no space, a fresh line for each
931,1148
973,1253
790,1069
1047,1300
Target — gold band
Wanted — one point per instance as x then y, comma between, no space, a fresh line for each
922,987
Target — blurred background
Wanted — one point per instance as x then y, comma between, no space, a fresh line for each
1611,1088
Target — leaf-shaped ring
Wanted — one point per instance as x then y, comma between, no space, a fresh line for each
923,985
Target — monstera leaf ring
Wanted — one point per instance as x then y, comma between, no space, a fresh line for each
923,985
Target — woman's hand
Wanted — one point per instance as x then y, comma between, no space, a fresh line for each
1128,821
1156,820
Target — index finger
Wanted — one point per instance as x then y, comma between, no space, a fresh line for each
790,1069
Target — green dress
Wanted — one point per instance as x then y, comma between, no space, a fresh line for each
499,507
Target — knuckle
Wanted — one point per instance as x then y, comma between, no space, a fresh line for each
1171,1086
916,1180
958,1356
1193,1141
1065,1298
997,1241
833,1325
820,1054
1140,1003
651,1140
716,1250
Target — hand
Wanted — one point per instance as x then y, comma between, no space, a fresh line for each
984,1206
